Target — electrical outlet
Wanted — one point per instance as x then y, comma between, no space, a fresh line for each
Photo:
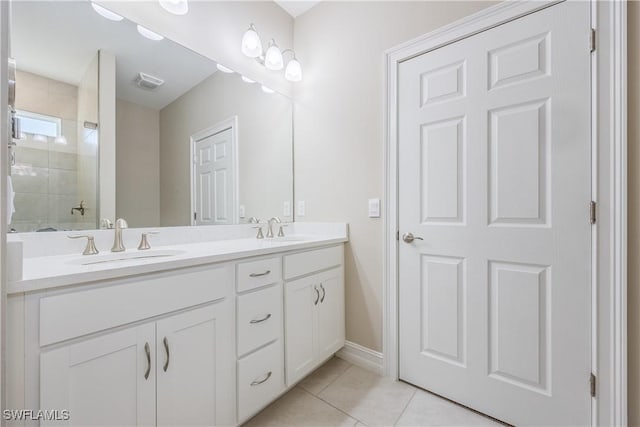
241,211
286,208
374,208
301,208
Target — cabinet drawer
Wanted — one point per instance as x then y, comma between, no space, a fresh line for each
259,318
75,314
262,272
260,379
308,262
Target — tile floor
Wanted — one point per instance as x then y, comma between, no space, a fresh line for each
341,394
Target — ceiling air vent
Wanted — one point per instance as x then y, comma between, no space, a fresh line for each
148,82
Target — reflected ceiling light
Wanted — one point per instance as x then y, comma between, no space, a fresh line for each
273,57
251,43
149,34
177,7
106,13
61,140
224,69
293,72
267,90
247,80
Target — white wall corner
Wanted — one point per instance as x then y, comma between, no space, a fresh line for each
362,356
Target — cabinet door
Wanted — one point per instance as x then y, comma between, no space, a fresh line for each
196,367
301,299
108,380
330,312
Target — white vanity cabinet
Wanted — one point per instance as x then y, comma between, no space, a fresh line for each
206,344
314,309
122,377
177,369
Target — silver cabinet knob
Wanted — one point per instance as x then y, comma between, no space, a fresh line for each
409,237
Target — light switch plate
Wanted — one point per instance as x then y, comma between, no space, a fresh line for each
241,211
374,208
286,208
301,208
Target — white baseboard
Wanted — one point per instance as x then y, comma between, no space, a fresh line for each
362,356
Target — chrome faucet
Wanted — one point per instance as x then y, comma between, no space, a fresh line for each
270,228
121,224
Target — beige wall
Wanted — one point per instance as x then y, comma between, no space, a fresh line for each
137,164
338,130
633,50
264,145
215,28
107,135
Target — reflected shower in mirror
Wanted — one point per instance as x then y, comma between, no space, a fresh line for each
118,121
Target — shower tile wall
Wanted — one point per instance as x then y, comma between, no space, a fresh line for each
45,176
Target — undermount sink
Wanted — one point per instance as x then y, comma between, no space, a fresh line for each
290,239
124,256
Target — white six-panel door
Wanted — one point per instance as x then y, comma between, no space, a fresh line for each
494,175
214,175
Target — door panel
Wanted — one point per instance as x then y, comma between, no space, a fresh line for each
494,175
101,381
215,179
300,300
197,386
331,333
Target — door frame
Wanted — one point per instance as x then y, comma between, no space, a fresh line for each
609,190
230,123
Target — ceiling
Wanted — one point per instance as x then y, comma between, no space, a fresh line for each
296,7
59,39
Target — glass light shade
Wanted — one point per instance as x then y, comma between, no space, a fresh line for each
251,43
247,80
293,73
273,57
149,34
106,13
267,90
177,7
224,69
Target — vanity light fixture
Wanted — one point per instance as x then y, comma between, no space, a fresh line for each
251,43
247,80
273,57
106,13
149,34
267,89
224,69
177,7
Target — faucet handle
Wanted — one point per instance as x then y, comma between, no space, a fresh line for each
259,235
90,249
144,243
281,231
106,223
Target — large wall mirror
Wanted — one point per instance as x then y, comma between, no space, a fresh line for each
117,121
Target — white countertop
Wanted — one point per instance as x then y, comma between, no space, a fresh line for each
46,272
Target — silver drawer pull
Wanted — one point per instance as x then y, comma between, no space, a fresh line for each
256,382
267,317
165,341
259,274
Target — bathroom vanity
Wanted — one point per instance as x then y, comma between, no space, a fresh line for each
205,328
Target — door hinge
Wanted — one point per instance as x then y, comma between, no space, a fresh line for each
592,385
397,235
195,216
593,208
592,40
